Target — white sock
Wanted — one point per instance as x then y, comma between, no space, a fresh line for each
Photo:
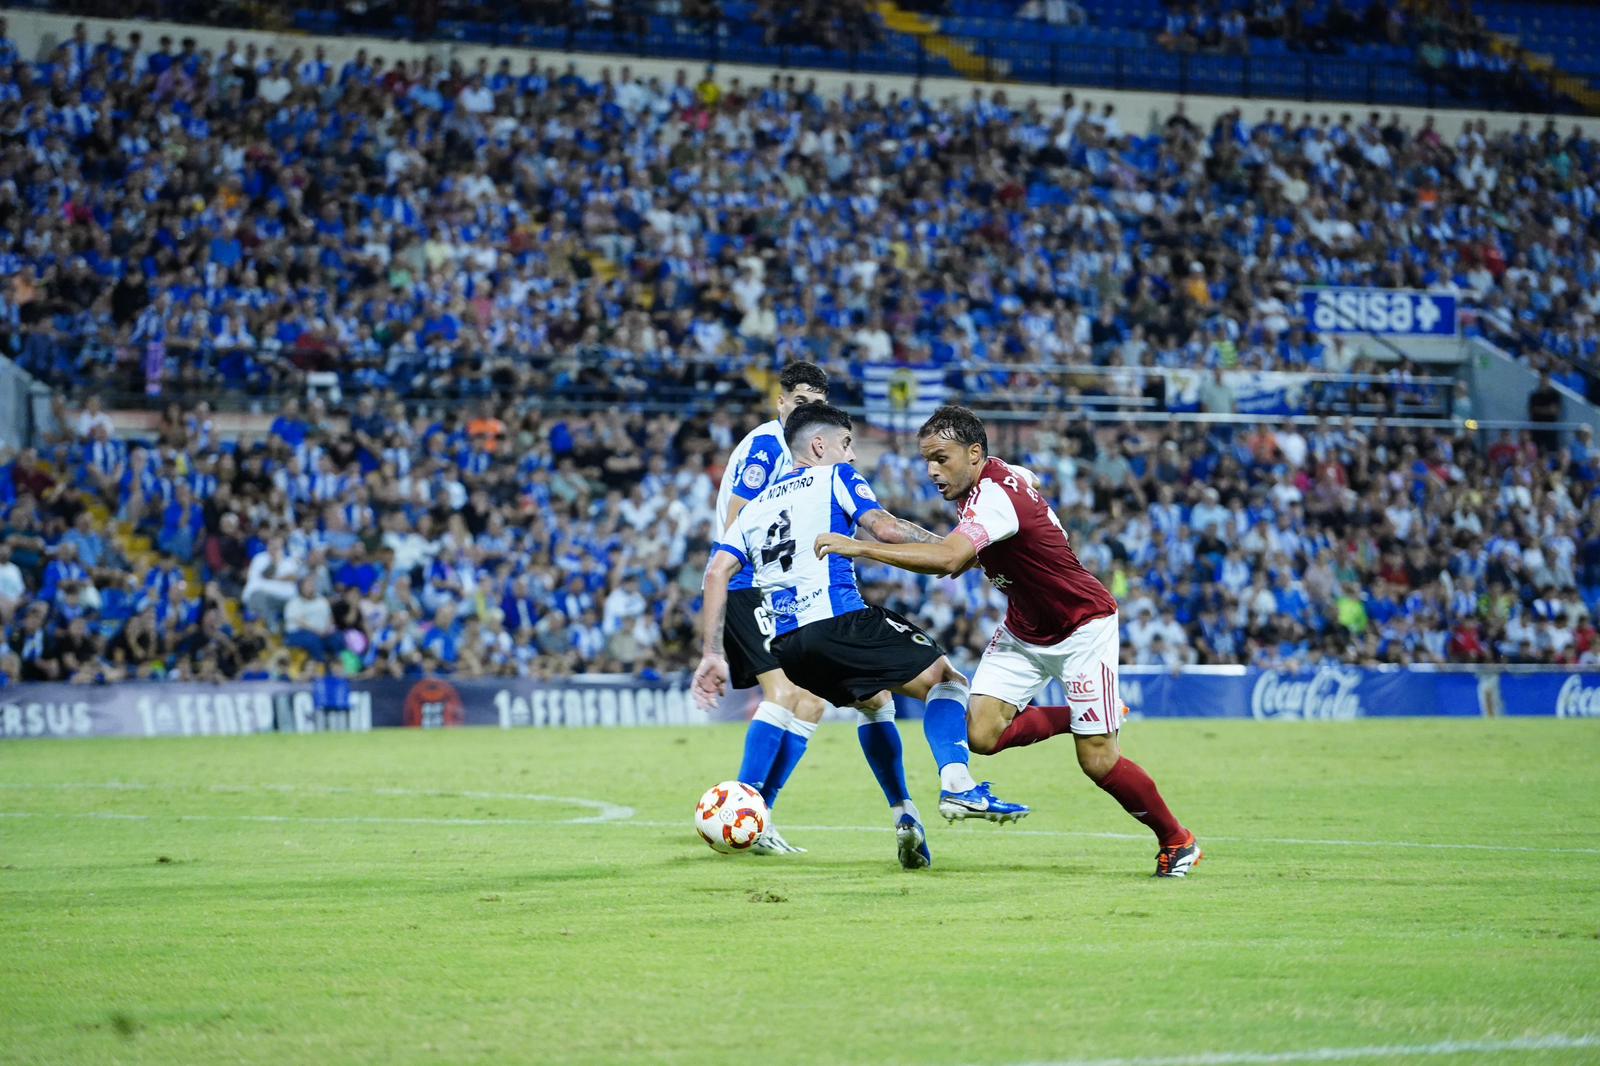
801,728
908,807
773,714
956,777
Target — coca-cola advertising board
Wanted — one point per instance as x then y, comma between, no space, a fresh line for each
1330,693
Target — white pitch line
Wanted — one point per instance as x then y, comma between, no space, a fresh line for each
1340,1054
604,812
353,819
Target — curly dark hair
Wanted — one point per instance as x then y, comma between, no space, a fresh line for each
808,417
956,423
803,373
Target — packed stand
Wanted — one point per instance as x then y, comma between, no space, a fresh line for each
458,232
377,542
371,542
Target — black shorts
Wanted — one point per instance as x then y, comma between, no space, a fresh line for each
743,638
855,656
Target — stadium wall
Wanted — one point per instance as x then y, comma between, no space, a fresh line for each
18,406
1334,693
37,32
1500,388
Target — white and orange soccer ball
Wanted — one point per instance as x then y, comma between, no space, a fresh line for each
730,817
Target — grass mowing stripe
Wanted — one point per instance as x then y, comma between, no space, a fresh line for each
1205,838
1342,1054
162,941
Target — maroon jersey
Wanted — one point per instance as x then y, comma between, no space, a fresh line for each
1024,551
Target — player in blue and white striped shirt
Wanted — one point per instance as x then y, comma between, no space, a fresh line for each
787,716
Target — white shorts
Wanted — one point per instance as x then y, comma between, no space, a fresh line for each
1085,664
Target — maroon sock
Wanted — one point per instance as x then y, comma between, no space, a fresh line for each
1033,725
1131,786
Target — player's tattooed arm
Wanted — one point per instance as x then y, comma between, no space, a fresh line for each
944,557
891,530
711,676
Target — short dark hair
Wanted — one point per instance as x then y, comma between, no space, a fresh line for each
803,373
810,416
956,423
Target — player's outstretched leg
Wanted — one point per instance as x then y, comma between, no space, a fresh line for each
880,743
774,745
763,738
961,797
1103,762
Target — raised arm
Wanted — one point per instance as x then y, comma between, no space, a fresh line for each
908,546
711,676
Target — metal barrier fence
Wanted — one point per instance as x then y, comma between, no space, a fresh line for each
150,377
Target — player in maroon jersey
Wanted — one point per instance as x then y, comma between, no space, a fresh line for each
1060,622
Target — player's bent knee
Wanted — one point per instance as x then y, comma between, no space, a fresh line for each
1097,754
950,675
987,719
981,740
808,708
875,703
777,688
940,673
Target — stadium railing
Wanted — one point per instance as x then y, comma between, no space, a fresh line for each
147,377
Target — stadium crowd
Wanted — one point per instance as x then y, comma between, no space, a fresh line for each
188,224
503,541
180,220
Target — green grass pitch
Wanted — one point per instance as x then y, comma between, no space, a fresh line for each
427,898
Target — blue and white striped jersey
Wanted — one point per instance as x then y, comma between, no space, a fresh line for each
754,462
775,532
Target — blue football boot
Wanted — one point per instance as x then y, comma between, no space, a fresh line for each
982,803
912,843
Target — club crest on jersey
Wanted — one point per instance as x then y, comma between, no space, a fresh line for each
754,476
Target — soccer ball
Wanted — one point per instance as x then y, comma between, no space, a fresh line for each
730,817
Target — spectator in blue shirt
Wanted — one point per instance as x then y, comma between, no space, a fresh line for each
182,522
330,691
289,427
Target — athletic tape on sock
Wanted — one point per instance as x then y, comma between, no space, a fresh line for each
773,714
801,728
884,714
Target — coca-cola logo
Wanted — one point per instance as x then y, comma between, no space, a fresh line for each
1575,701
1330,693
